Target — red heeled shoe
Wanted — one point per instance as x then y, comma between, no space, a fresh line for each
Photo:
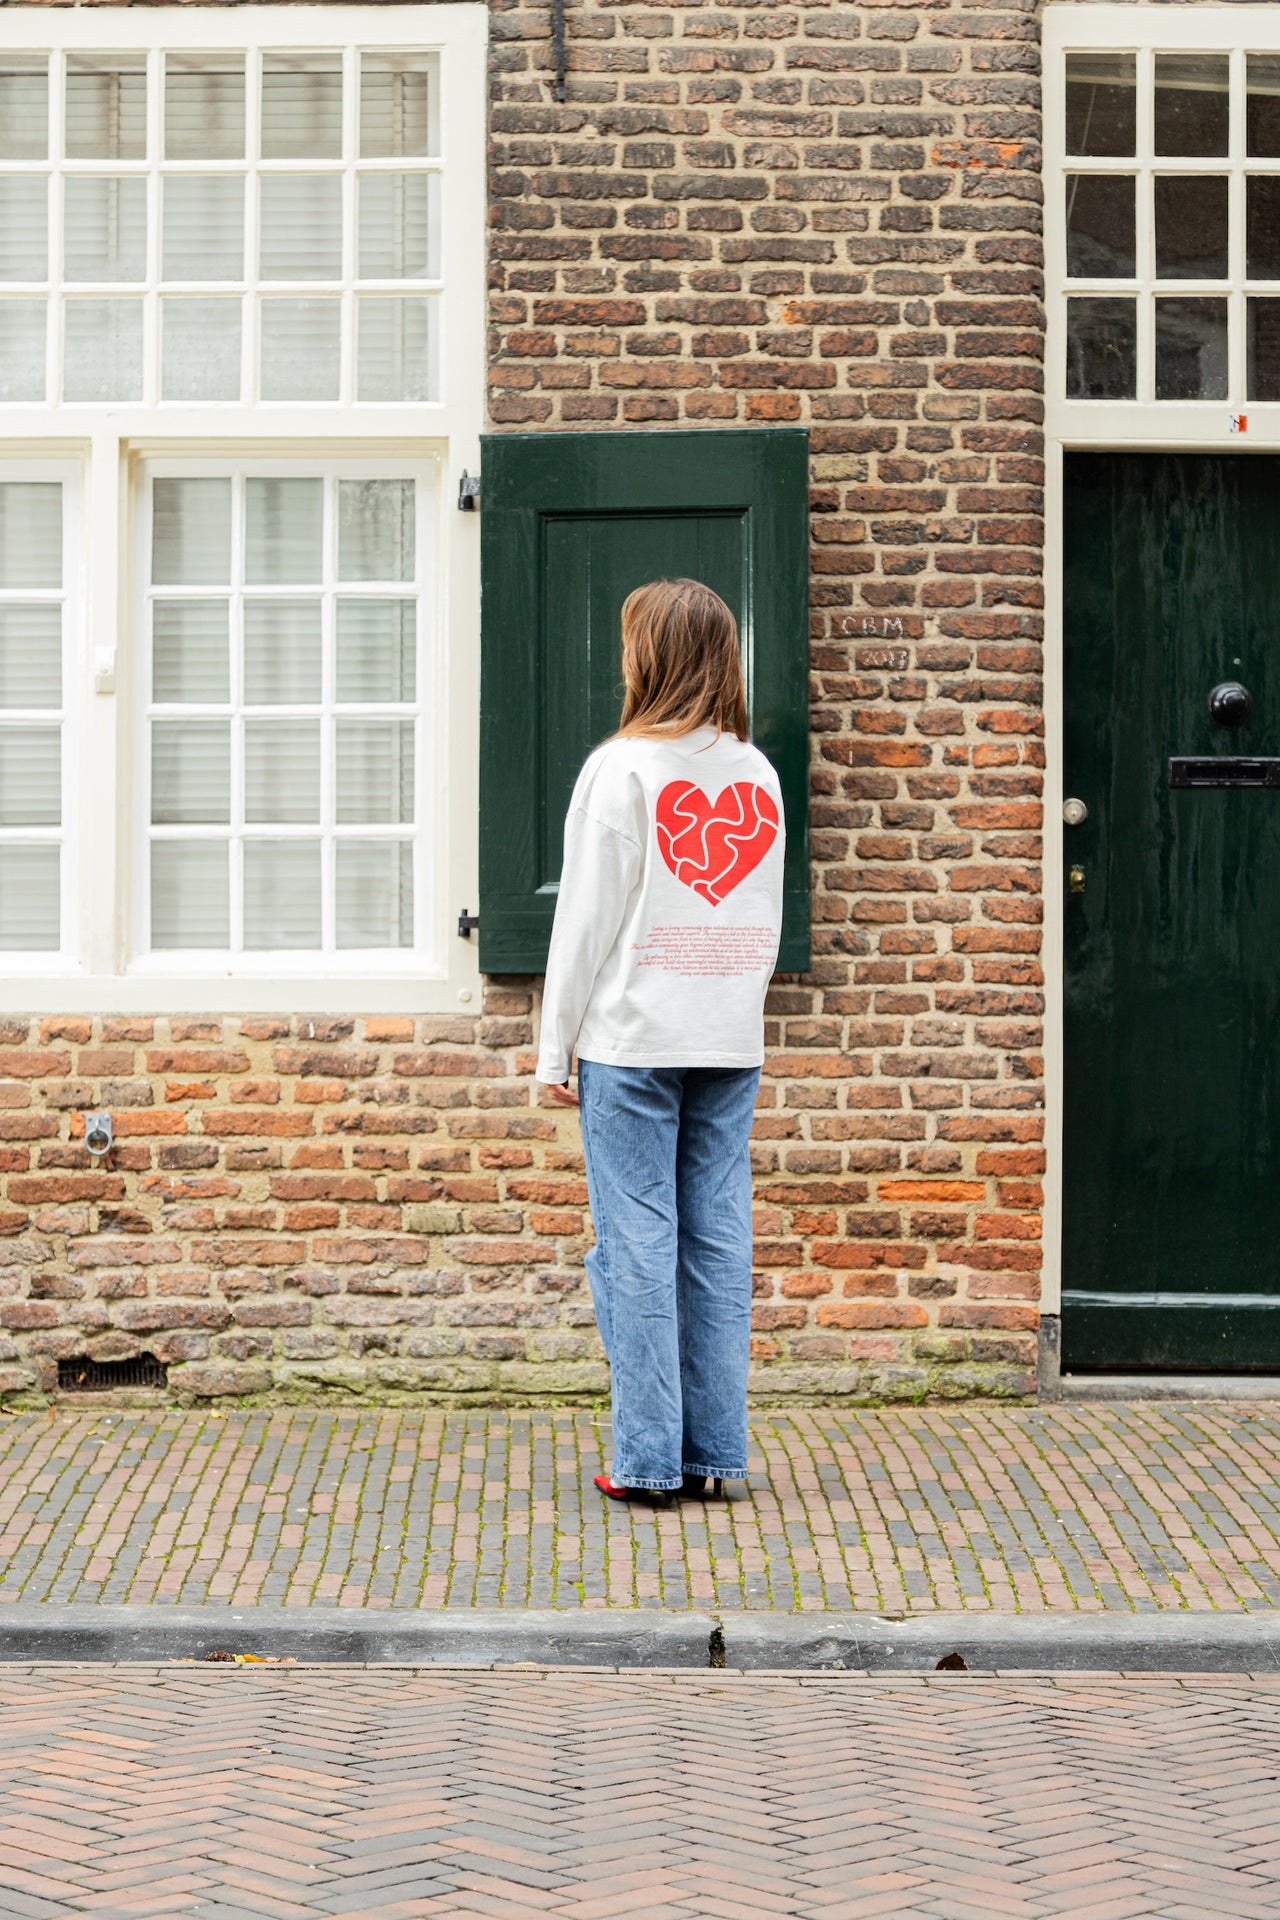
652,1496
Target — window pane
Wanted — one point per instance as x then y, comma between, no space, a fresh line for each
1262,227
302,106
399,224
24,227
374,887
377,649
282,660
281,894
1192,103
1102,349
106,230
190,894
190,772
24,106
375,772
1191,349
284,524
395,349
398,105
375,529
203,227
1191,227
204,106
1101,227
1102,101
191,533
30,776
282,771
22,349
102,350
1263,349
301,227
30,884
1262,116
30,533
106,106
190,651
299,349
30,655
200,355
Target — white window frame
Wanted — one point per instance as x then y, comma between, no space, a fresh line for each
105,450
1119,425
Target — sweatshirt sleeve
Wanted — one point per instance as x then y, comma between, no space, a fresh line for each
601,867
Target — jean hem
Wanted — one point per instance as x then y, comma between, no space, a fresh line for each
621,1479
717,1473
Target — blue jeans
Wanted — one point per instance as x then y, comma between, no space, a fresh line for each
669,1177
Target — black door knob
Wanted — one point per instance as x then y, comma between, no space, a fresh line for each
1230,704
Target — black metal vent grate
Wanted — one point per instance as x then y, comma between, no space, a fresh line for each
81,1375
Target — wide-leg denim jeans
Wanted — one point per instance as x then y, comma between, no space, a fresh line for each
669,1177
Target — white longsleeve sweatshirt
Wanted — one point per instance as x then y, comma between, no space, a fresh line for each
670,908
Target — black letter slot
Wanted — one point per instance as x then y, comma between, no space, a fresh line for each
1224,772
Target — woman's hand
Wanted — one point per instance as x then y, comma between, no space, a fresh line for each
563,1096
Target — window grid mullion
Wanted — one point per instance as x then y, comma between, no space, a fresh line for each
235,861
329,725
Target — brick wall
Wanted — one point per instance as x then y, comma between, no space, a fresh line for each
773,213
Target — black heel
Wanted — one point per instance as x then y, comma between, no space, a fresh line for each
717,1489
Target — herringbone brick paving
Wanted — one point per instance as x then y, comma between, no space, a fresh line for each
391,1794
1011,1509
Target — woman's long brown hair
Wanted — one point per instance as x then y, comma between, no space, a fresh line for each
680,662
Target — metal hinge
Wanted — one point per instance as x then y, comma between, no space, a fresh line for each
466,921
468,492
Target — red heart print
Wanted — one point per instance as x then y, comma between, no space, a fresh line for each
711,846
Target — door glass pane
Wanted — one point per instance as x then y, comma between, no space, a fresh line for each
102,350
375,772
106,228
106,106
377,648
374,886
1101,226
30,884
399,226
395,349
1262,227
281,894
200,350
30,533
1191,349
302,106
30,655
1191,227
1262,115
23,331
190,894
24,226
191,533
281,771
204,106
24,106
30,776
301,227
1102,101
284,522
299,349
190,651
203,227
282,659
1263,353
398,105
1102,349
375,529
190,772
1192,104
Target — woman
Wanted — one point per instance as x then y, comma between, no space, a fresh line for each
666,934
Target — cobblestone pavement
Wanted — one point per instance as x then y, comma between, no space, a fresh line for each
1100,1507
391,1794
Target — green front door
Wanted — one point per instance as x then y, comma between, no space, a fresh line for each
1171,1188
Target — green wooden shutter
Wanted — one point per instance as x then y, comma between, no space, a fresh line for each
570,524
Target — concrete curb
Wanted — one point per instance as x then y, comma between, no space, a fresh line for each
747,1642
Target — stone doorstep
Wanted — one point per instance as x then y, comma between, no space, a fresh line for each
1181,1642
